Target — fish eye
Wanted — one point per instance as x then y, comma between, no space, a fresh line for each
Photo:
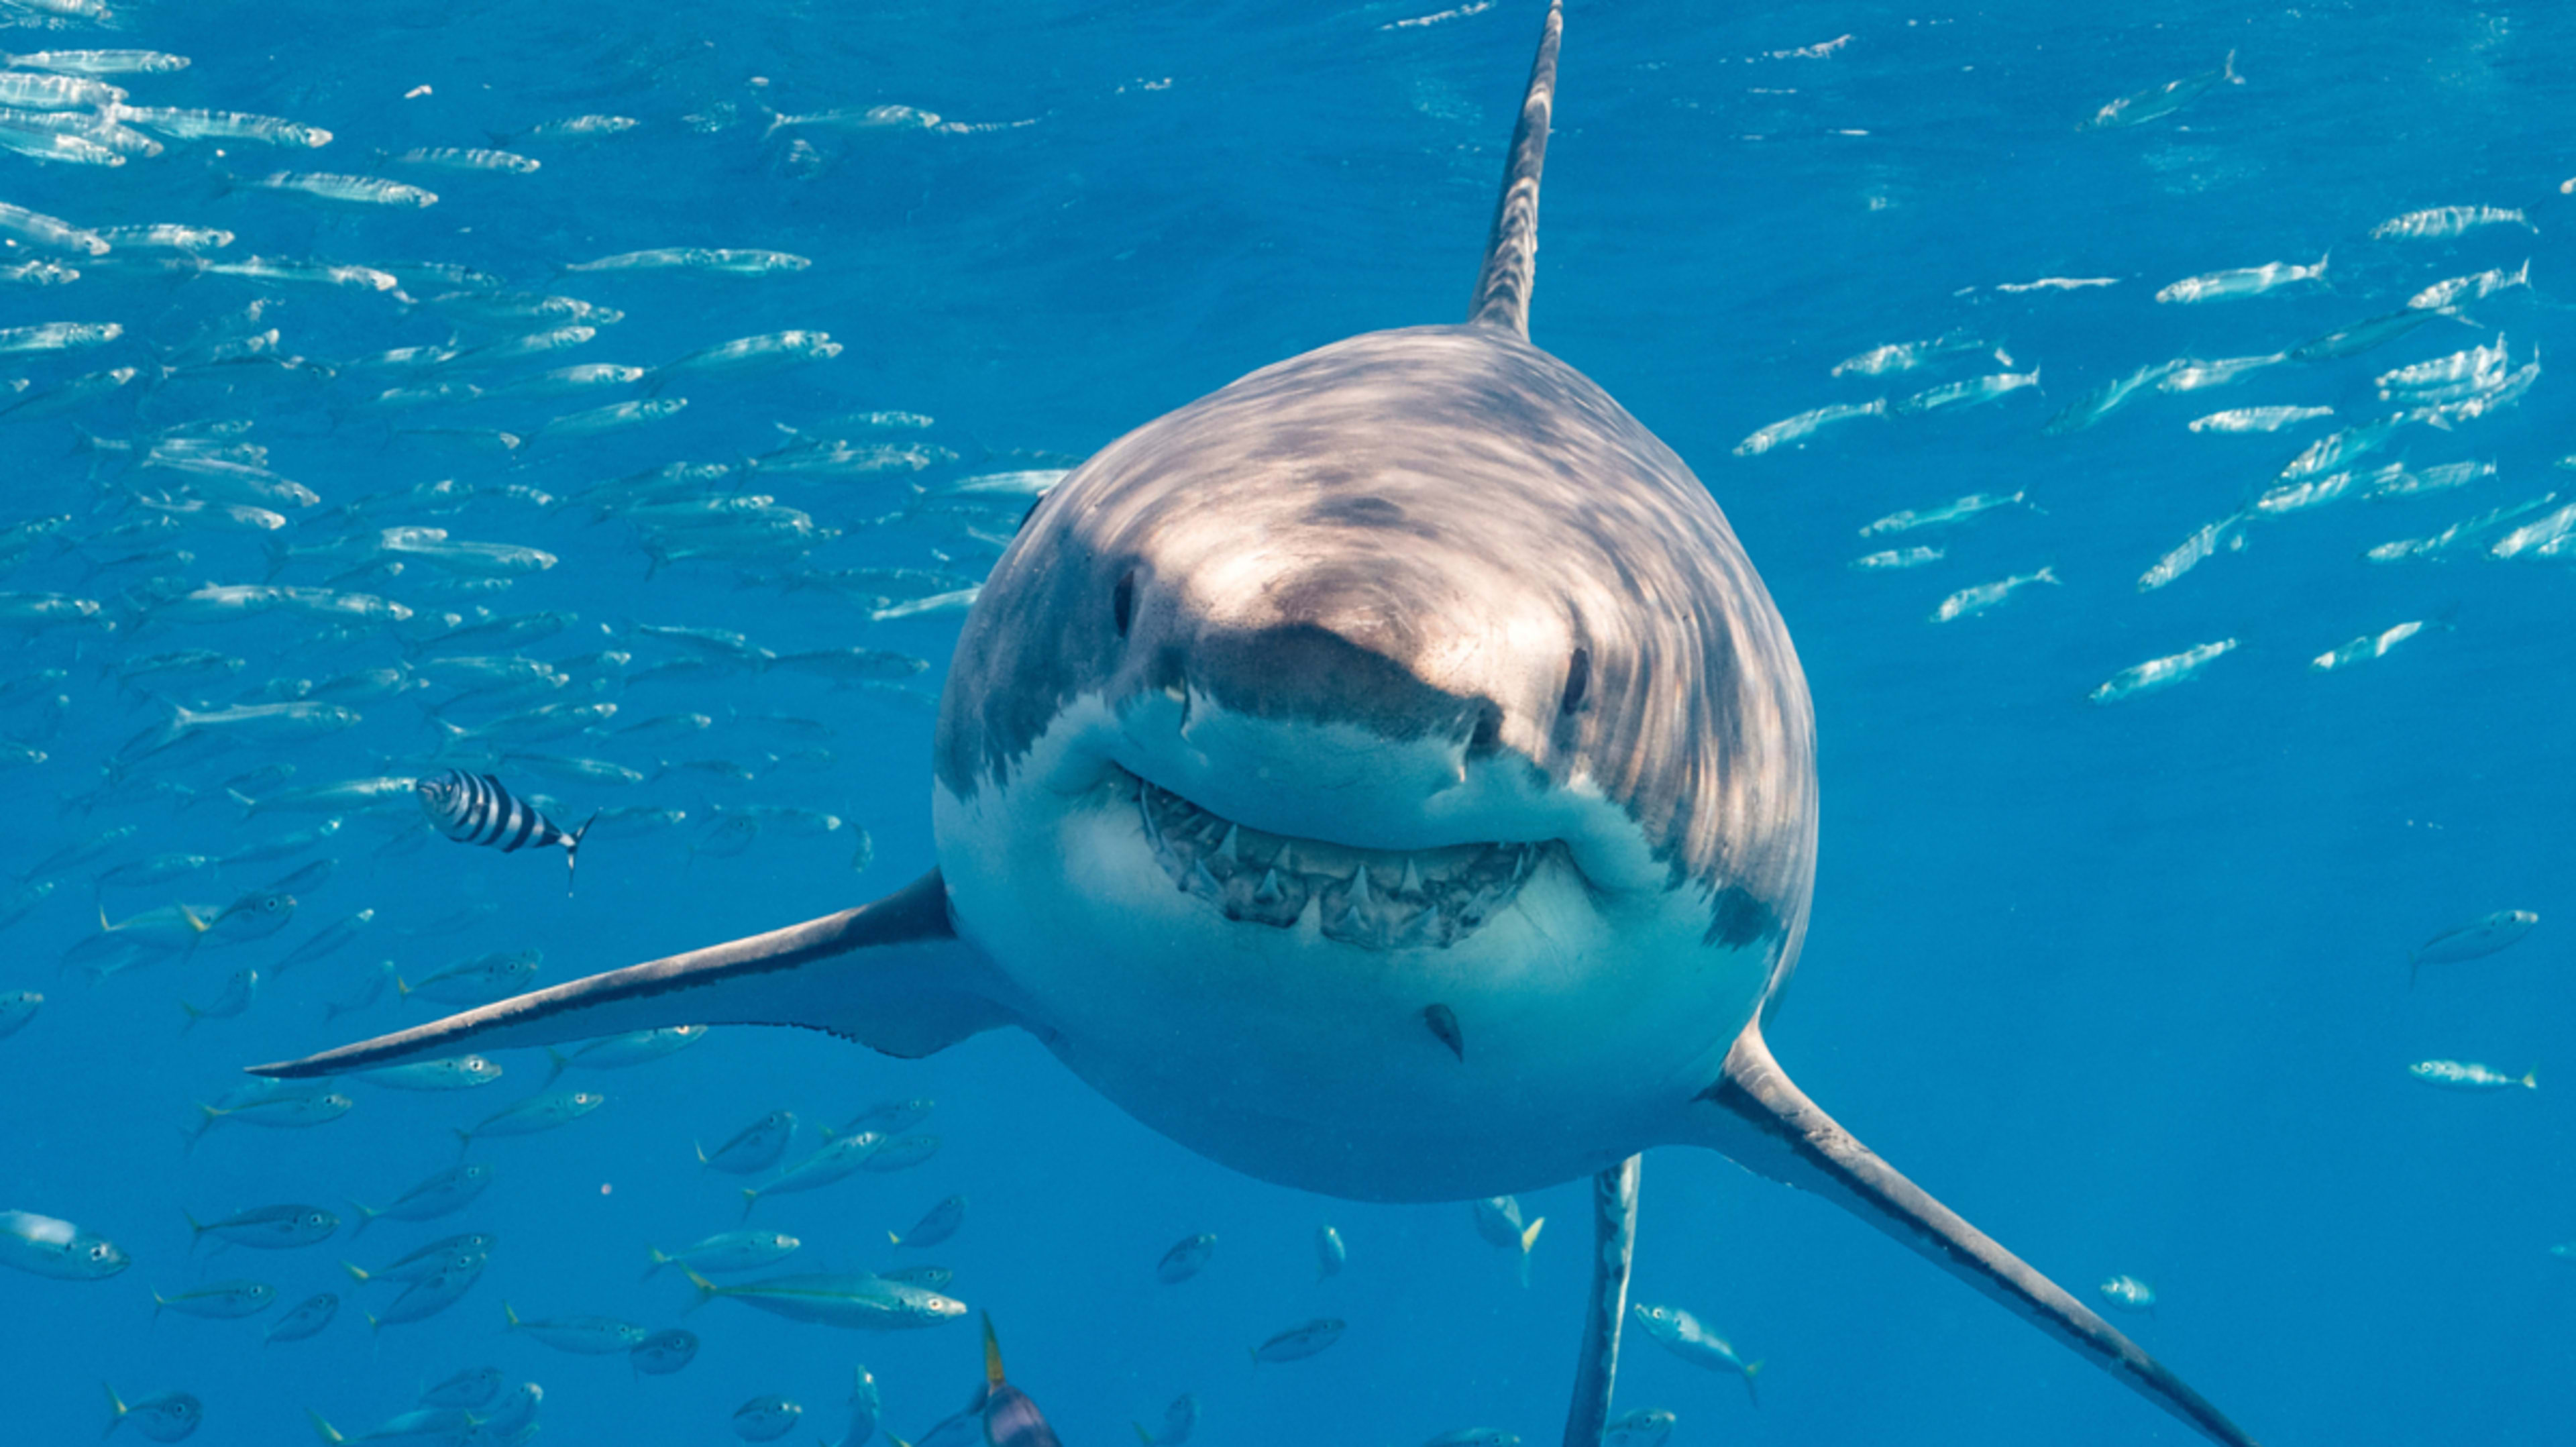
1122,602
1578,680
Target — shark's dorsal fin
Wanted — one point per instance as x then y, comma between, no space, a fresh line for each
1511,250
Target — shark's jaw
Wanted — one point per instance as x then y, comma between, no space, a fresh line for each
1369,898
1370,972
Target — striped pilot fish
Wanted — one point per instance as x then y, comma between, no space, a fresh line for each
476,809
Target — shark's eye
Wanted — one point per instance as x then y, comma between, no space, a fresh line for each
1122,602
1578,680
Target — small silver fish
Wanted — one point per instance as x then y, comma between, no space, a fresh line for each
2258,419
2227,532
456,1072
1969,392
1185,1260
1680,1333
664,1352
2157,102
754,1148
1906,356
936,1224
1645,1427
2128,1293
477,981
1300,1341
1968,602
590,1336
457,158
2443,222
2476,287
1330,1253
352,190
1806,424
1975,504
2475,940
45,1246
537,1113
2158,674
866,1303
443,1193
219,1301
2365,648
766,1419
166,1417
304,1319
2241,282
2462,1075
733,262
2191,374
726,1251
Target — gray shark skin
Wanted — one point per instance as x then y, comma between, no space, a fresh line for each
1386,776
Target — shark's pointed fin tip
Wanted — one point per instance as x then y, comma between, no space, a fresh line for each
1502,297
1758,1118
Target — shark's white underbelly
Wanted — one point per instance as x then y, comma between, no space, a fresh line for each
1583,1020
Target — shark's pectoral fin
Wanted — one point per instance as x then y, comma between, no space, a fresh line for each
891,975
1763,1122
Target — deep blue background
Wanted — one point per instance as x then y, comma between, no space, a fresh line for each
2125,986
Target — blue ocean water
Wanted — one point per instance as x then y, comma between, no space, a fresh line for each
2126,985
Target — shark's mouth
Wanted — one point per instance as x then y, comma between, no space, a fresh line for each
1375,899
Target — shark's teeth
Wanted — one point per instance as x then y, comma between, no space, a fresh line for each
1438,895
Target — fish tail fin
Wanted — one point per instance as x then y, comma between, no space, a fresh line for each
356,1272
1529,1237
2531,1078
1749,1369
250,806
2047,574
750,1198
196,1232
116,1410
1502,297
897,1240
194,1015
508,1311
1142,1435
366,1217
375,1325
659,1261
701,1149
555,1066
464,1141
572,848
325,1430
2227,70
707,1290
207,1118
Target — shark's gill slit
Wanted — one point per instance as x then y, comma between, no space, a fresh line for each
1122,602
1377,899
1578,680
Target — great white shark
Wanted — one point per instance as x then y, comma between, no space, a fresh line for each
1386,776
